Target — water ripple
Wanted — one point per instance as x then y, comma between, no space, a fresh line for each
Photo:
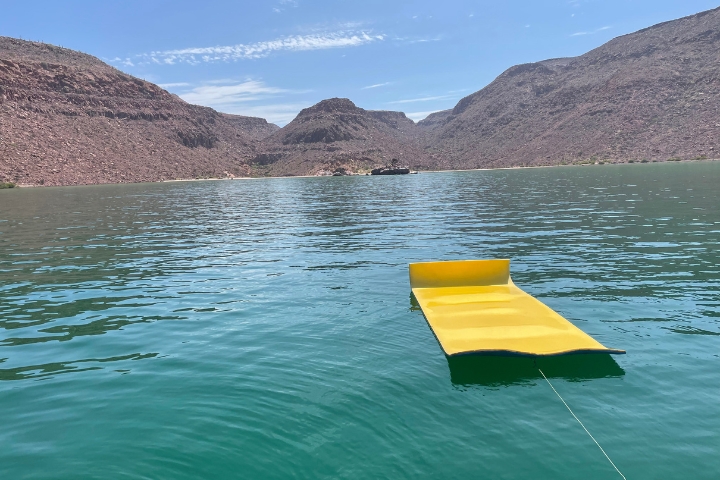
285,342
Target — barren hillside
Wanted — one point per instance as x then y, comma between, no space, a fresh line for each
67,118
653,94
335,135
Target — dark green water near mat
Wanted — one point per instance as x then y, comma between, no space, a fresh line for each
265,329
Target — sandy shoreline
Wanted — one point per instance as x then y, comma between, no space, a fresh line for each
179,180
449,170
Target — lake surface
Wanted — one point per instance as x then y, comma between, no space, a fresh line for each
265,328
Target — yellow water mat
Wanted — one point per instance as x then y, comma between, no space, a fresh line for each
473,307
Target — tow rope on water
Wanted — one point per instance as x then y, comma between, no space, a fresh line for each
582,425
473,307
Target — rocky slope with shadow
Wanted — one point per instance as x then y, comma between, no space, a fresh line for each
67,118
335,136
649,95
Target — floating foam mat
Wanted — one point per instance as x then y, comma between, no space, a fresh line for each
473,307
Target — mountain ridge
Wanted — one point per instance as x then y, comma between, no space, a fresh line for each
67,118
647,95
653,95
336,136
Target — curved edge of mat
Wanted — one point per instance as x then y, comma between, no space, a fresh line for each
516,353
513,353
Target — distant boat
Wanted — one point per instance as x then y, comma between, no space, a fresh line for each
392,169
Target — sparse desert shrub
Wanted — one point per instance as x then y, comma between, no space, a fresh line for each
674,159
631,161
4,185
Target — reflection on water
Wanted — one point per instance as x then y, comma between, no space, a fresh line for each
55,368
282,345
508,370
63,333
414,304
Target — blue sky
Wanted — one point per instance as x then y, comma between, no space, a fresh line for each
272,58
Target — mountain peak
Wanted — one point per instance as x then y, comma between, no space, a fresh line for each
332,105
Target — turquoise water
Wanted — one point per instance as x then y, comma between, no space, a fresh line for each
265,328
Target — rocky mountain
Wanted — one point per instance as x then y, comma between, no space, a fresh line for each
67,118
337,136
434,120
653,94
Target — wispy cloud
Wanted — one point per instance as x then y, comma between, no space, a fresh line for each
278,113
591,32
422,99
285,3
173,85
316,41
126,62
252,98
220,96
417,116
377,85
425,40
411,40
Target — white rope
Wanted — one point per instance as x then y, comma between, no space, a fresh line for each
581,424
